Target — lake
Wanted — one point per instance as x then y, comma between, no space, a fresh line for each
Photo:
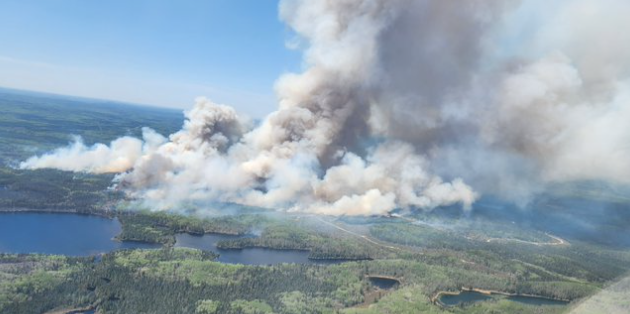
383,283
84,312
468,297
83,235
464,297
249,256
63,234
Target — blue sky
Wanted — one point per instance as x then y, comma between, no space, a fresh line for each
158,52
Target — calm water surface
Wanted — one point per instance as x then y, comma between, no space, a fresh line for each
383,283
86,312
468,297
82,235
465,297
250,256
66,234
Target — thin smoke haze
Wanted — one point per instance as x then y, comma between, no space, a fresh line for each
402,104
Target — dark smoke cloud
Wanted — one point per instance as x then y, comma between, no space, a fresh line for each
496,96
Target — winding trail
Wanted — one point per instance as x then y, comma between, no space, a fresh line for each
557,241
364,237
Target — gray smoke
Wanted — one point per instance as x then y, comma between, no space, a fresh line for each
502,96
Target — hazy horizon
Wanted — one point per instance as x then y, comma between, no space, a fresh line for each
90,99
153,52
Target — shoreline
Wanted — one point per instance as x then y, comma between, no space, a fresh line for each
101,213
436,298
114,215
73,311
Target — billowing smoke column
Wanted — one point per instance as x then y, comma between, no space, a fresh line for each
504,95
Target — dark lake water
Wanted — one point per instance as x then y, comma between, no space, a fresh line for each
85,312
465,297
383,283
468,297
81,235
250,256
66,234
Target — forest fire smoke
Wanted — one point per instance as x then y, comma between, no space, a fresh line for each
395,96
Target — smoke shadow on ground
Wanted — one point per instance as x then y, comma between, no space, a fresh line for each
596,221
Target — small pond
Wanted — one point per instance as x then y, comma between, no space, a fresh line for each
383,283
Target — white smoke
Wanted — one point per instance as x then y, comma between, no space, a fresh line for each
119,156
505,95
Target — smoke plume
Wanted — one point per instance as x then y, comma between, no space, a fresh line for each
403,104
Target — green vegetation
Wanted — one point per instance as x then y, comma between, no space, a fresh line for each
297,235
410,300
177,280
207,307
28,277
425,259
34,123
277,232
251,307
577,262
161,227
58,191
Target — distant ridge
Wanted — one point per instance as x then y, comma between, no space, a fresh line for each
33,93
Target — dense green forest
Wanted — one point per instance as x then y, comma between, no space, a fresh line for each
427,258
189,281
58,191
179,280
161,227
34,123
